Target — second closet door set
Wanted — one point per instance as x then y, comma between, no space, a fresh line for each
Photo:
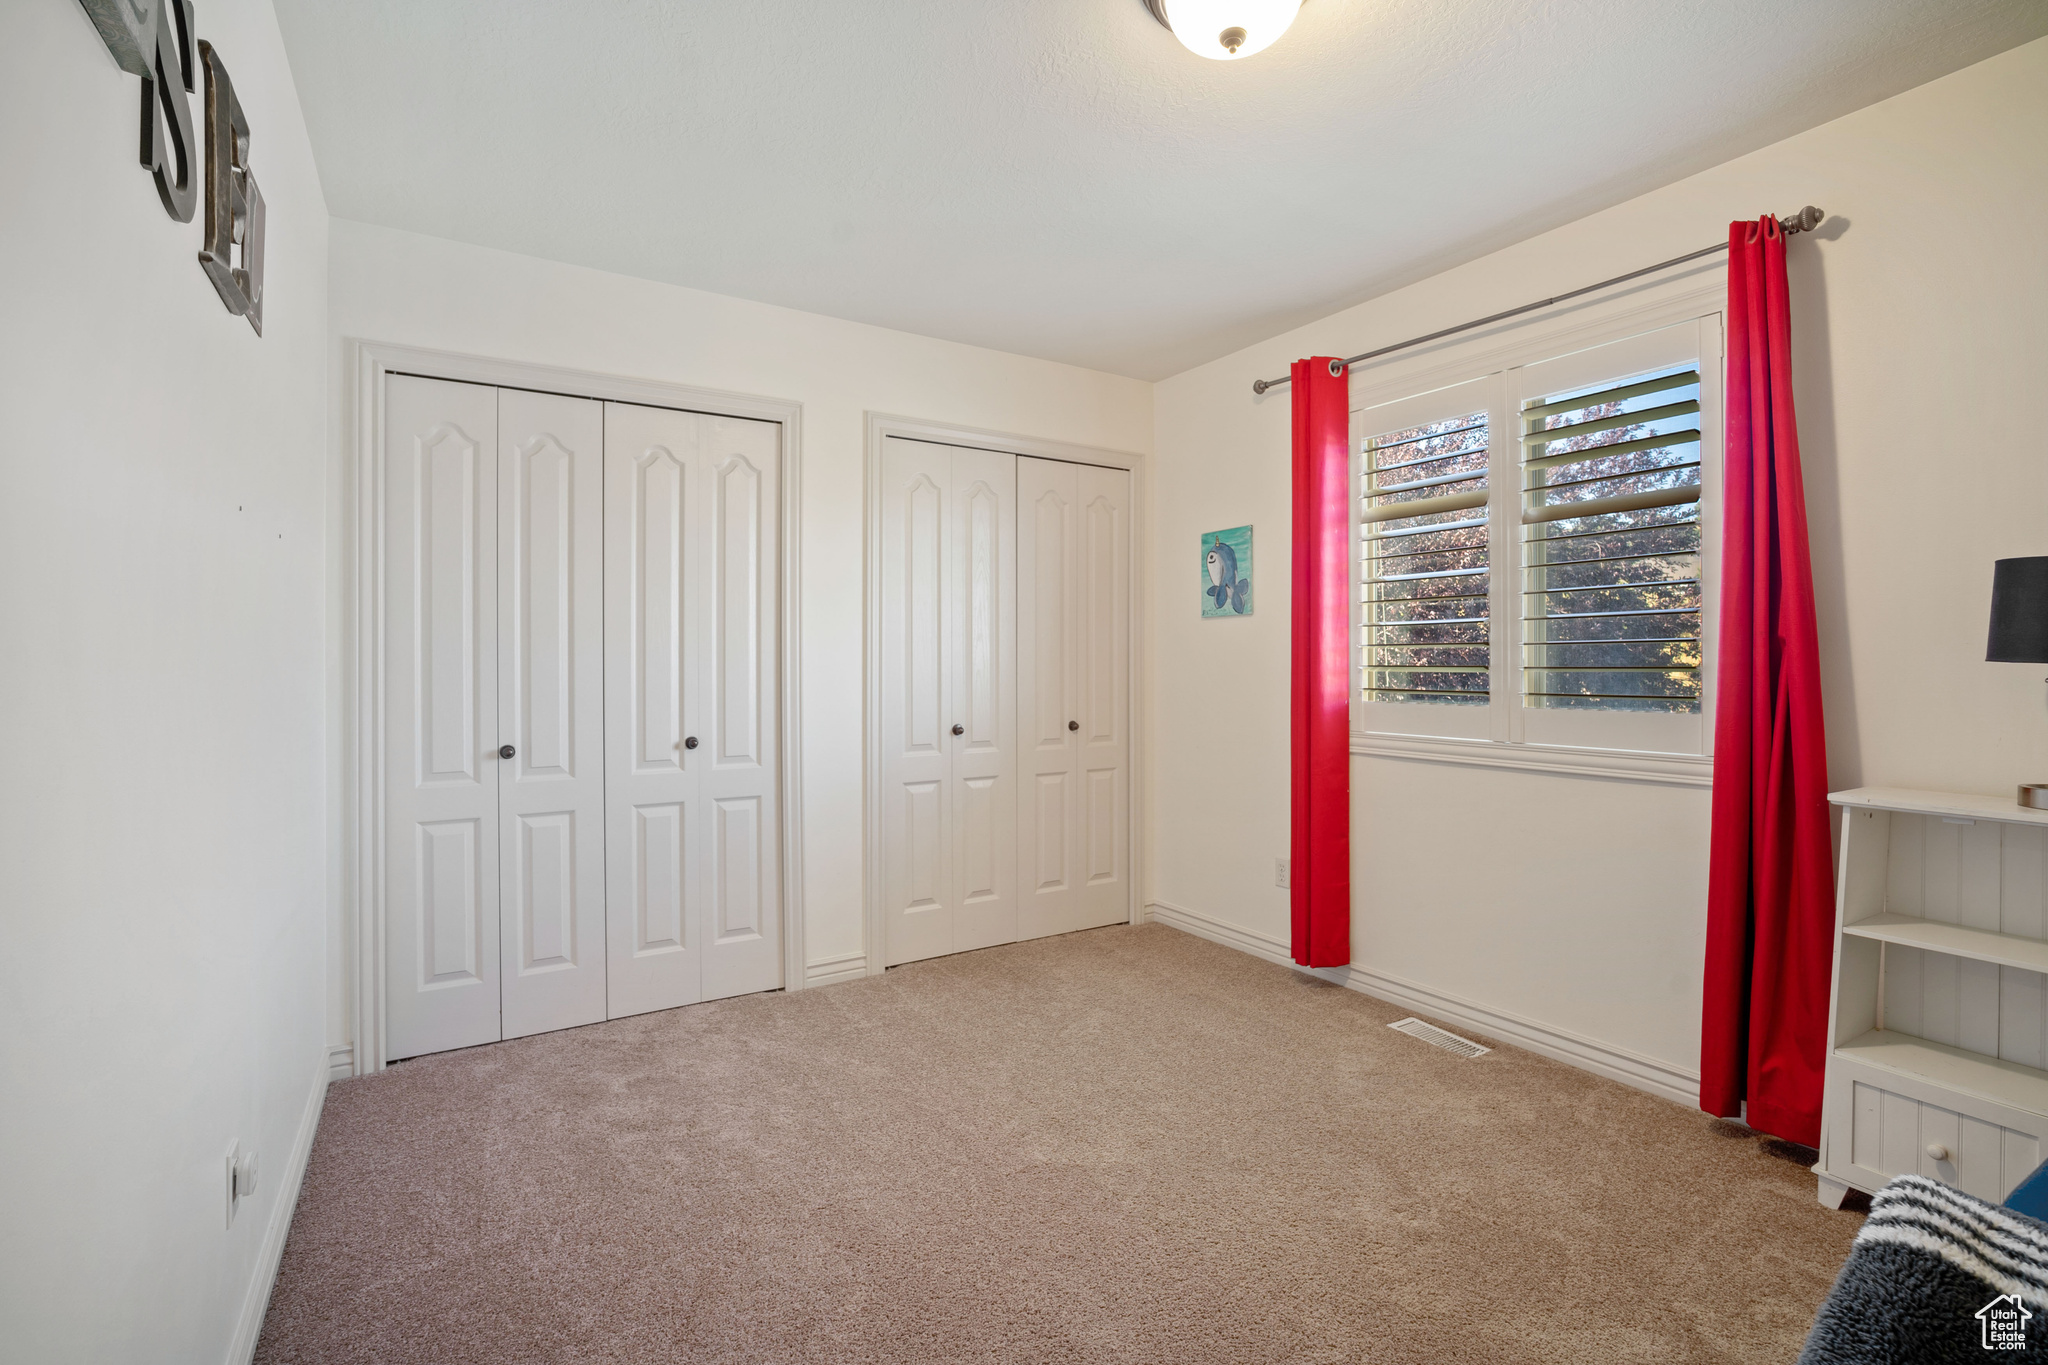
581,816
1004,679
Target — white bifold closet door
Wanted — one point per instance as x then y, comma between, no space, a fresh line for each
693,844
948,666
494,862
1073,696
580,673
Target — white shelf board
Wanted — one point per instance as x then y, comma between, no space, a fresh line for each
1972,1073
1954,805
1955,940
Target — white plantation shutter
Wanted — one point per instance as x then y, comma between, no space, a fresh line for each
1426,624
1611,565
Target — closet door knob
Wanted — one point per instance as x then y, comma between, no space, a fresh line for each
1073,725
1937,1151
690,743
959,729
506,751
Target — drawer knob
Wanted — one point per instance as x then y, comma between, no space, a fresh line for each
1937,1151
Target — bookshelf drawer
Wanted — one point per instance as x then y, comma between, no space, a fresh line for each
1881,1123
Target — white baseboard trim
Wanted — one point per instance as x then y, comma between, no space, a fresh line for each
256,1301
1602,1059
341,1061
831,971
1216,931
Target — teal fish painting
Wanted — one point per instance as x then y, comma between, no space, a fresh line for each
1227,572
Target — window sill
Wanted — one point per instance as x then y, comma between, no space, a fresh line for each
1671,770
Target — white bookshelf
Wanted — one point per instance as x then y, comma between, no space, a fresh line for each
1938,1031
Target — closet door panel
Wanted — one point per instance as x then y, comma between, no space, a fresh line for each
451,928
1103,697
655,904
654,571
737,758
551,710
545,883
916,702
737,902
441,829
737,671
981,649
655,576
542,548
1048,830
1048,530
1048,612
1101,836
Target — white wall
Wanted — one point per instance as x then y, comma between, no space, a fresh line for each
161,693
1919,356
423,291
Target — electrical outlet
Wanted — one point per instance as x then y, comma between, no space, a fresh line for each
1280,872
241,1178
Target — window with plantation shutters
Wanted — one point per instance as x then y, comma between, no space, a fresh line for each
1534,550
1611,586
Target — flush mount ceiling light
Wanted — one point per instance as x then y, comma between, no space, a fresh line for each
1225,29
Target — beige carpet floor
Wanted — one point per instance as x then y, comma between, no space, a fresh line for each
1123,1145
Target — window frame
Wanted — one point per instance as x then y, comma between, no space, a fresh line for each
1507,369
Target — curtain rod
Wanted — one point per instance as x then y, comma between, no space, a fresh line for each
1806,220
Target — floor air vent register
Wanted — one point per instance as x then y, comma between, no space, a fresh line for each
1436,1037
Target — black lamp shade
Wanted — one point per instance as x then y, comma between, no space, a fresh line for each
2019,611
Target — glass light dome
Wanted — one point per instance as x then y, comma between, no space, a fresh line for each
1228,30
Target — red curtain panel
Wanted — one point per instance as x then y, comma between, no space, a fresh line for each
1320,867
1770,884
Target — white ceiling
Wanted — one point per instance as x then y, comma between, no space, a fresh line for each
1061,178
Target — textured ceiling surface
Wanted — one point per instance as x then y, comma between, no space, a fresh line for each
1060,178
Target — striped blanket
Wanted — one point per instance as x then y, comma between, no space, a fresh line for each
1936,1275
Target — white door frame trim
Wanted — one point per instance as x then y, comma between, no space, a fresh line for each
881,426
368,365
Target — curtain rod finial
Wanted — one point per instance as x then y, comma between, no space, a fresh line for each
1806,220
1259,386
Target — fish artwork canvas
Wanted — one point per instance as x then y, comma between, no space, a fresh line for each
1227,572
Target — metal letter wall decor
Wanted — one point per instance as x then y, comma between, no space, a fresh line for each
153,39
128,28
234,206
167,114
